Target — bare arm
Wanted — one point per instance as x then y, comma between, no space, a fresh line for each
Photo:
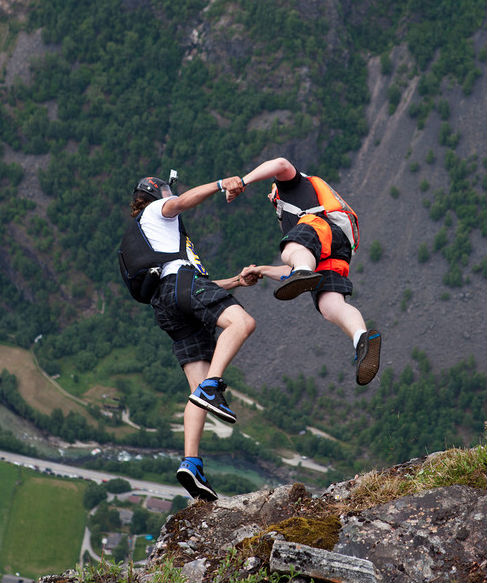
199,194
280,168
244,279
271,271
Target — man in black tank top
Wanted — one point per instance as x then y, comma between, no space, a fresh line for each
316,254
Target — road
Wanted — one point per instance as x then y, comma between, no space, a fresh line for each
86,546
159,490
297,460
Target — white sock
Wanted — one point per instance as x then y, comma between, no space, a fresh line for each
356,336
302,267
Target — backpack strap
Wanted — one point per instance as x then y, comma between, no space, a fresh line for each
281,206
181,254
335,208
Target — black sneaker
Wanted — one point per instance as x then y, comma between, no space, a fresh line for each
368,356
190,475
296,283
209,395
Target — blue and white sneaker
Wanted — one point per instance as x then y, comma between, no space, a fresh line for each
190,475
209,395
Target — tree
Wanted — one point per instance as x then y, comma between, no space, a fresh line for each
139,520
94,494
117,486
178,503
121,551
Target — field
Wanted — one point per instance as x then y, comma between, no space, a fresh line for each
8,476
38,390
44,394
42,522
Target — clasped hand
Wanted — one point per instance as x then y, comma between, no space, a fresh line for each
233,187
249,276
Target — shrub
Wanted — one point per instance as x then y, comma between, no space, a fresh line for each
394,192
423,253
394,95
386,64
376,251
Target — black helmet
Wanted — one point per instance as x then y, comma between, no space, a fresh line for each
152,186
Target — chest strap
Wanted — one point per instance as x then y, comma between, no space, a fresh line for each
281,206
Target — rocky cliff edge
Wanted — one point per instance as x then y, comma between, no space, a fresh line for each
417,522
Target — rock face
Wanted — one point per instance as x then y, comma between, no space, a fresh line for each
438,535
210,530
434,536
320,564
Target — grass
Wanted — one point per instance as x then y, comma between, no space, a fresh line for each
8,477
44,524
78,383
228,570
140,549
42,394
466,467
36,389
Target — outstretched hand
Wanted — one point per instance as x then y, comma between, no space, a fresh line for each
249,276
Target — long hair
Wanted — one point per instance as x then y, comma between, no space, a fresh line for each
140,201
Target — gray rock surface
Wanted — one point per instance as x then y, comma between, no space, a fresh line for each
439,535
320,564
435,536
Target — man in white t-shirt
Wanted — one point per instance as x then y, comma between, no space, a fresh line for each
190,310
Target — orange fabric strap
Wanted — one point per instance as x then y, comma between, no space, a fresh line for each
338,265
323,230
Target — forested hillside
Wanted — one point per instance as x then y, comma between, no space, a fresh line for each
384,99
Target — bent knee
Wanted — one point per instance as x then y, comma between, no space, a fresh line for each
249,324
239,319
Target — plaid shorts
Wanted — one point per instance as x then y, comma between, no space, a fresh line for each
307,236
334,282
196,338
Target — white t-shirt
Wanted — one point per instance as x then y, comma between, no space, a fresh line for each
163,234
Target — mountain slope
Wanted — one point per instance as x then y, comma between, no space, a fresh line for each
292,335
385,100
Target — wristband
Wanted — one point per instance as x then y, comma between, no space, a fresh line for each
220,185
243,183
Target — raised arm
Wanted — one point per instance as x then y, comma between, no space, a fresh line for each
199,194
279,168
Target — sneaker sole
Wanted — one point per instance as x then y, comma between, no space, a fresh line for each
195,489
212,409
367,369
292,289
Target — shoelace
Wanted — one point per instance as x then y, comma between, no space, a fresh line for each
287,276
